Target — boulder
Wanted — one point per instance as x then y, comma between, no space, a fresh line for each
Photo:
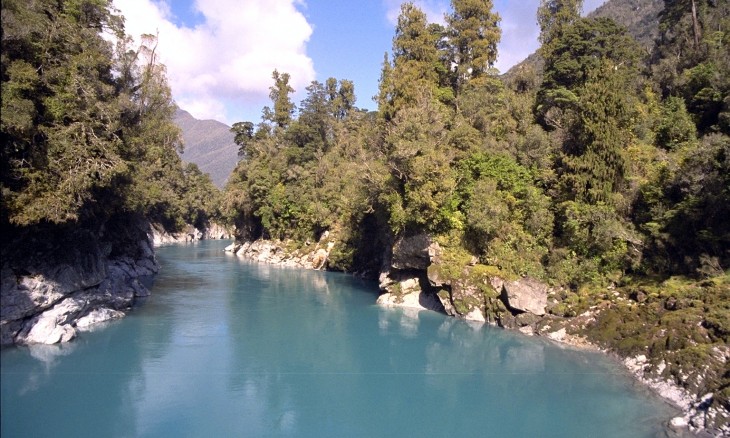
475,315
233,247
53,325
525,295
319,258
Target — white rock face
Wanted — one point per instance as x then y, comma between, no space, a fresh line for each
46,331
679,423
96,316
410,300
275,253
475,315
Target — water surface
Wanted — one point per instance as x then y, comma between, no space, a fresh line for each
226,347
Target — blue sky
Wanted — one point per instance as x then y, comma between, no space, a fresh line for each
220,53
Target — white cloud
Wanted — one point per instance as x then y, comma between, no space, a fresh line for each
225,62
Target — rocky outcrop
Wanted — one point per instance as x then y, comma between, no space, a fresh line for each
57,282
213,231
525,295
311,256
407,291
403,278
412,253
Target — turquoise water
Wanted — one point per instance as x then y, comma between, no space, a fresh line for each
226,347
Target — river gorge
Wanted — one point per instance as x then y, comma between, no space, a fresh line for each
229,347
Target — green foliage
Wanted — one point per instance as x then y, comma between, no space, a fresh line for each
554,16
683,210
279,95
87,128
507,219
675,126
473,34
692,58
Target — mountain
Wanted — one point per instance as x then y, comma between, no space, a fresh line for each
209,144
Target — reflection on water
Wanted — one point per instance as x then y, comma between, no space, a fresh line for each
226,347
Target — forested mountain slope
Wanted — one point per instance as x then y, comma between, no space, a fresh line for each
640,17
209,144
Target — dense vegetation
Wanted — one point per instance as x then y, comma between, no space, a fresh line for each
605,172
86,124
609,161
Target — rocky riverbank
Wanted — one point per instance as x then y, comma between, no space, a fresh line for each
310,256
57,282
419,273
160,236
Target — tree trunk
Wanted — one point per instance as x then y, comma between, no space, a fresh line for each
695,24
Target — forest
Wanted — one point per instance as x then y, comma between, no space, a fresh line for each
86,123
609,161
605,167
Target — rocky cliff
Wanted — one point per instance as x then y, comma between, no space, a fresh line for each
57,282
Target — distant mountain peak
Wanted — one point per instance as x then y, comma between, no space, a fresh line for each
209,144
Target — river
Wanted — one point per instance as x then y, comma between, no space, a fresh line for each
227,347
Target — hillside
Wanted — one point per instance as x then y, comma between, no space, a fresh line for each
640,17
209,144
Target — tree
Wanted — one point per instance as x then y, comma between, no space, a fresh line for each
473,34
60,114
417,64
279,95
554,16
87,127
692,57
242,135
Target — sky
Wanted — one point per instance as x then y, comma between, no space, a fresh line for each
220,54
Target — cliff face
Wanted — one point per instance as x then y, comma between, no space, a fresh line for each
57,282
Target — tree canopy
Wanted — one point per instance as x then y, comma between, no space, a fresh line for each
86,124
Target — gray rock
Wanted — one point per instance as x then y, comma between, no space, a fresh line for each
53,325
525,295
434,276
319,258
411,253
52,278
47,283
445,298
